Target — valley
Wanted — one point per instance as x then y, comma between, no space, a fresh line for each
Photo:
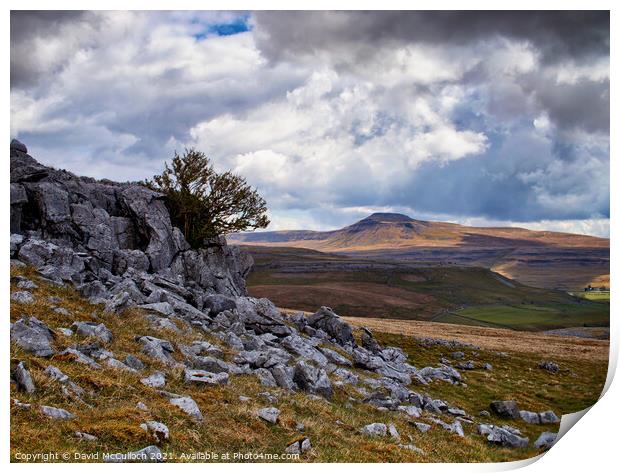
297,278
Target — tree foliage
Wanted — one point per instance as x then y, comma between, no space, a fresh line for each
204,203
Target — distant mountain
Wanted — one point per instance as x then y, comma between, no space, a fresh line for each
388,231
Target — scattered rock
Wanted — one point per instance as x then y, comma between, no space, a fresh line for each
411,411
158,430
23,379
299,446
265,377
468,365
269,397
269,414
550,366
118,365
134,362
21,405
160,350
187,405
505,409
530,417
546,440
205,377
375,430
422,427
70,388
26,284
549,417
413,448
143,407
393,432
156,380
504,436
56,413
32,335
79,357
22,297
92,329
84,436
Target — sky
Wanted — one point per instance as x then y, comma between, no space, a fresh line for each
480,118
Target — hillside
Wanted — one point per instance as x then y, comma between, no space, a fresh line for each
390,230
109,403
538,258
298,278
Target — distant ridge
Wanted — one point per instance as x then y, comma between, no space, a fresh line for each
383,230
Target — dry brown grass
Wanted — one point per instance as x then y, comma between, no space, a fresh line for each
494,339
233,426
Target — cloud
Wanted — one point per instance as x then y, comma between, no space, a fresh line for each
498,116
557,34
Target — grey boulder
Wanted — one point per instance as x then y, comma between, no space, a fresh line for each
23,379
375,430
331,323
505,409
269,414
312,380
92,329
546,440
32,335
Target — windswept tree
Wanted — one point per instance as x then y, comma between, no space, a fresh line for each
204,203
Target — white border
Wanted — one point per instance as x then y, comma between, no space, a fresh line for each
591,446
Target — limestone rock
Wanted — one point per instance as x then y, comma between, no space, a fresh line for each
375,430
22,297
56,413
32,335
187,405
158,431
312,380
205,377
328,321
299,446
156,380
546,440
506,409
92,329
23,379
269,414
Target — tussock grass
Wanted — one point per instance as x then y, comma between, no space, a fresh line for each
109,410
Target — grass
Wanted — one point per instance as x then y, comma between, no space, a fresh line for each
232,426
534,317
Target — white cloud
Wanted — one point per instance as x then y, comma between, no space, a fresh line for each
325,136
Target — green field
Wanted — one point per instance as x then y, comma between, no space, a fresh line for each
535,317
306,279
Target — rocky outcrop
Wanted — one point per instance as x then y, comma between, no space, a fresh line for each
98,234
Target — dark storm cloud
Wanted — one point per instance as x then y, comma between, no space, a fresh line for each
558,34
27,27
583,105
